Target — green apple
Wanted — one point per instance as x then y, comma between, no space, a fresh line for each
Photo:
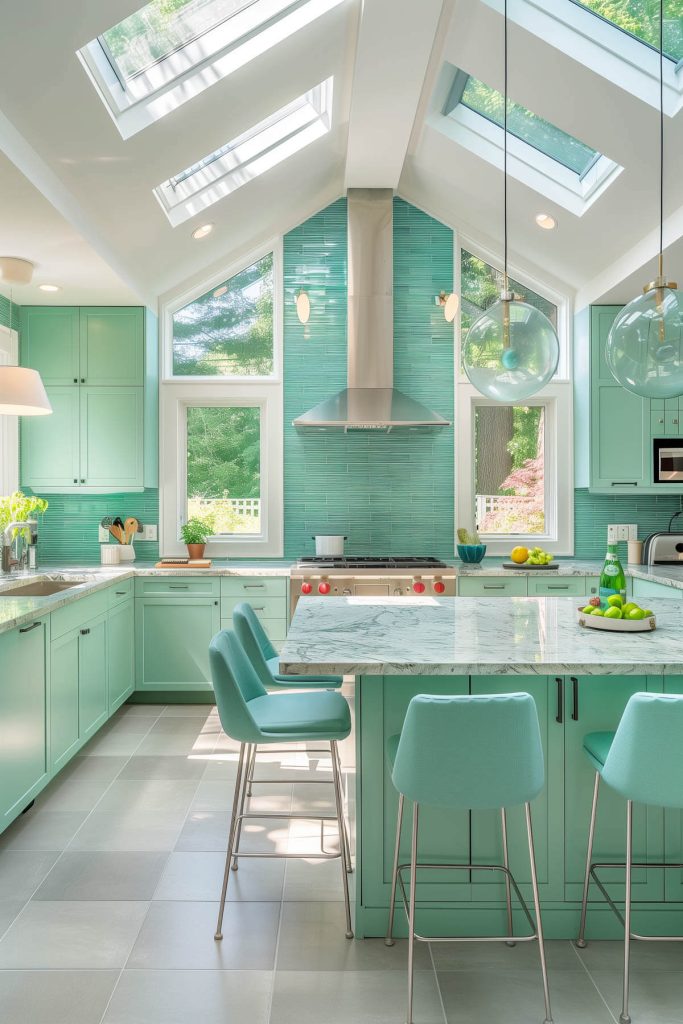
636,613
588,610
630,605
613,612
597,611
615,601
646,612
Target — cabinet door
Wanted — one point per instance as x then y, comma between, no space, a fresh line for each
50,444
620,429
23,711
648,589
546,810
64,737
671,424
49,342
111,437
596,704
93,708
172,636
112,345
121,653
444,835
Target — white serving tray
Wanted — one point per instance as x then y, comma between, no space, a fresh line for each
616,625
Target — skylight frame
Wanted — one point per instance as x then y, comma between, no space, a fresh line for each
135,103
218,174
676,61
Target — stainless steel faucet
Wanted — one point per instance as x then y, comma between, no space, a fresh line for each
32,527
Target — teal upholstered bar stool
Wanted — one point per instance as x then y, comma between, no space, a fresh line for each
643,761
251,715
466,753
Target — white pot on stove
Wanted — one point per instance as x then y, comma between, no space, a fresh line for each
329,545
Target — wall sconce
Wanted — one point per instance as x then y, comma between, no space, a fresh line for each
450,303
303,307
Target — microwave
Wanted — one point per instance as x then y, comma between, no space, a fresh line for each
667,460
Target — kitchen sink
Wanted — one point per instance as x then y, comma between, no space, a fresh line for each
41,588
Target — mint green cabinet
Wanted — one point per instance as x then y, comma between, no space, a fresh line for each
121,653
24,765
673,826
64,734
648,589
172,642
93,707
50,445
50,342
111,437
112,345
492,586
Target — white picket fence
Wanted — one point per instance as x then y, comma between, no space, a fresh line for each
487,503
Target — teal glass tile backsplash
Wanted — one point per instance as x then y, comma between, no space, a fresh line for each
593,513
389,494
5,312
68,530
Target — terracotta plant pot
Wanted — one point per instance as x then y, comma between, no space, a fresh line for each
196,550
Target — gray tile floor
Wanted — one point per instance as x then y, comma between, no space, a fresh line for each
108,899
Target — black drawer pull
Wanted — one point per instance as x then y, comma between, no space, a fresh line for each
559,717
178,586
27,629
558,586
253,586
120,593
84,632
494,586
255,609
624,483
575,699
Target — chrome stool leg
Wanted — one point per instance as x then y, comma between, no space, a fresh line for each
347,845
508,887
251,754
624,1017
389,940
581,940
231,838
250,772
537,910
411,913
342,845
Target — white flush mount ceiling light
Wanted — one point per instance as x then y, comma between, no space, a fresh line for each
511,351
49,288
450,303
644,348
202,231
303,307
14,270
544,220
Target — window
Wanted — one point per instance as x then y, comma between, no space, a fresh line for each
540,154
509,466
172,50
481,284
9,425
264,146
641,19
228,331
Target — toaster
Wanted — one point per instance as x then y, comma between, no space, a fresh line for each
663,549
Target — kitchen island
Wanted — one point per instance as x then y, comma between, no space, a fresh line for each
581,681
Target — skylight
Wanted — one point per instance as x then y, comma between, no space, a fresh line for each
171,50
641,20
249,155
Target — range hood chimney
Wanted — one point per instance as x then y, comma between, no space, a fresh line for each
370,401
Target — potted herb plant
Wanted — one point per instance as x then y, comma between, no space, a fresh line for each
195,533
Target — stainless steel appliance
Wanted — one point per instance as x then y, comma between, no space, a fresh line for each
667,460
371,577
663,549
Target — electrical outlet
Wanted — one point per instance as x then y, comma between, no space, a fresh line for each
102,535
621,531
149,532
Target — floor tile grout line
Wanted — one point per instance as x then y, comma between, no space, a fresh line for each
60,853
592,980
279,918
438,983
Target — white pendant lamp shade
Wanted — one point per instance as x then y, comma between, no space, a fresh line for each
645,345
511,351
22,392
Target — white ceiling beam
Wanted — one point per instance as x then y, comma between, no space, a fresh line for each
395,42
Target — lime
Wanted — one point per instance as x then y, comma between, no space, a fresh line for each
613,612
597,611
636,613
615,601
646,612
588,610
630,605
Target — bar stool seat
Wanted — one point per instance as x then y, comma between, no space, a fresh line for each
300,717
596,747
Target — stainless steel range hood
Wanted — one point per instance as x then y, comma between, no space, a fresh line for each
370,402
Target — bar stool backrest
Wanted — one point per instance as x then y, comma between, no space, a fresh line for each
470,751
251,634
645,761
235,684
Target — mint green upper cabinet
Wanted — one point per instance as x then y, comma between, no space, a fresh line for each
50,342
93,707
23,714
112,345
111,437
50,445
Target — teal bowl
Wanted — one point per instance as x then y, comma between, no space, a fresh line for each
471,552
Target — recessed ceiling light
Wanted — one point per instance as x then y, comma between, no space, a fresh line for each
544,220
202,231
49,288
220,291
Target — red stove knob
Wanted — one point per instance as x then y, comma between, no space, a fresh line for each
418,587
323,588
306,588
439,587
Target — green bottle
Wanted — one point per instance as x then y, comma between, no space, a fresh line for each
612,579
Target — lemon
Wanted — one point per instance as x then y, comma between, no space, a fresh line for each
519,555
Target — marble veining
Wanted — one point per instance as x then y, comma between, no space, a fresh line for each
471,636
494,567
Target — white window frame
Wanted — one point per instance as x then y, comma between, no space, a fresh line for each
176,394
136,103
9,425
558,539
217,279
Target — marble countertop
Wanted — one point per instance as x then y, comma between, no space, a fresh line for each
494,567
472,636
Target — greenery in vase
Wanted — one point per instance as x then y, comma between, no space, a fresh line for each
465,537
19,507
197,530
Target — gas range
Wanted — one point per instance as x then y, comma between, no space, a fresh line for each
371,577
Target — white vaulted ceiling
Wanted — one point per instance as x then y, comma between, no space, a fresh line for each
77,198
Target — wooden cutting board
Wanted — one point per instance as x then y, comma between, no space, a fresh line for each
194,563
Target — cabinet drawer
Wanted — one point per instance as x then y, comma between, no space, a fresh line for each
120,592
276,629
646,588
578,586
253,587
492,586
71,616
178,586
265,607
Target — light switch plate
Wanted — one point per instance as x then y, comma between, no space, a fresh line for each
149,532
102,535
621,531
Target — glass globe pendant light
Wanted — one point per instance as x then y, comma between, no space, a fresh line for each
644,347
511,351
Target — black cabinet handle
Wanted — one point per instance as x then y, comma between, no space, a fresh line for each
82,380
84,632
494,586
120,593
82,479
178,586
261,609
624,483
75,480
27,629
558,586
575,699
75,380
559,717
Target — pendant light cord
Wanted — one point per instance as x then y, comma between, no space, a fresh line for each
505,149
661,137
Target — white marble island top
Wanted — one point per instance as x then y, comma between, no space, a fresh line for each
472,636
